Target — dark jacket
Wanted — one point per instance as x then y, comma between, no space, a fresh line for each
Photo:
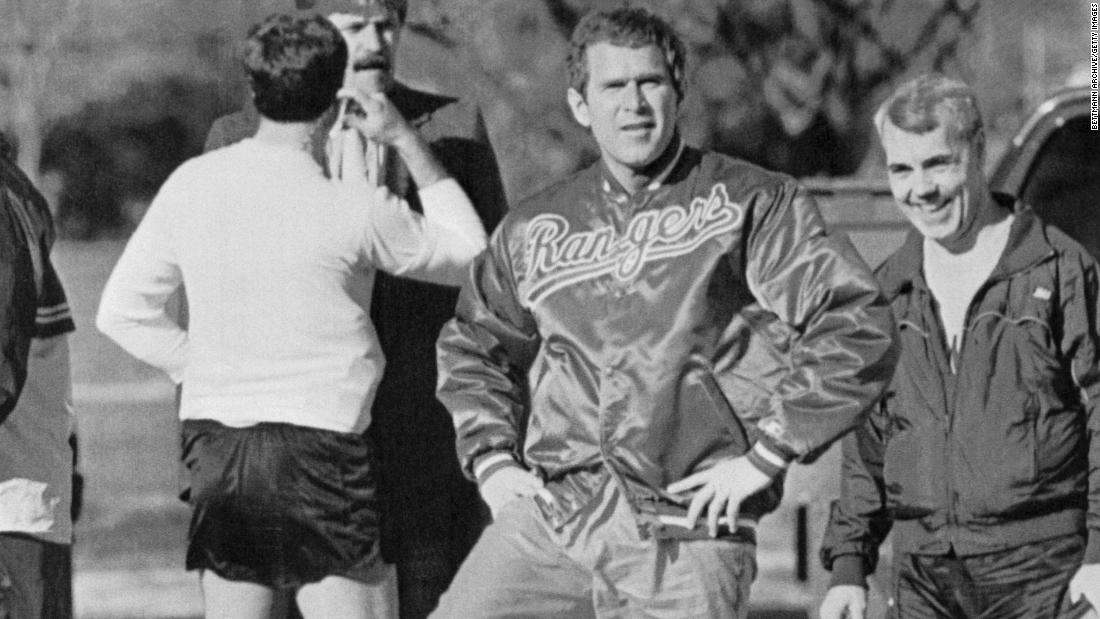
653,335
18,290
998,454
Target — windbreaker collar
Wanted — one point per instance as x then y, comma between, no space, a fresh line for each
1027,245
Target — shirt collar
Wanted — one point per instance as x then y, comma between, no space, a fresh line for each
611,185
1027,245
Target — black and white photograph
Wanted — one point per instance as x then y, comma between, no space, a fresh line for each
397,309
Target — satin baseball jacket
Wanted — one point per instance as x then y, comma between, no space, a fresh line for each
650,335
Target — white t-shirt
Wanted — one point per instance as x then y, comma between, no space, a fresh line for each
954,279
279,263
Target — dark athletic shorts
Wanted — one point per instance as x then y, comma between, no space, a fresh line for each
281,505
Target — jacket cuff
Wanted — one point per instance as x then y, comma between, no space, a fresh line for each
491,463
769,461
848,570
1092,547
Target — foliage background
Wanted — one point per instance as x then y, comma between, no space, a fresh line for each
103,98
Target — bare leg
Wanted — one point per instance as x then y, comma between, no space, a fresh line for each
229,599
337,597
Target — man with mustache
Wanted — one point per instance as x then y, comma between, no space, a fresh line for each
434,513
984,456
644,348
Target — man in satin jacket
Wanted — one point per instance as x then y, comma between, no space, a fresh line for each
651,340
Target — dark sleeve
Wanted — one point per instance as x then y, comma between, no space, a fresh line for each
484,354
845,348
53,314
1080,298
18,305
858,520
472,162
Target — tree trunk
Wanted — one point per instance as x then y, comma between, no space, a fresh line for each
28,134
27,94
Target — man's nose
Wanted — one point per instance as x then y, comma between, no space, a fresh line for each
370,38
924,187
633,97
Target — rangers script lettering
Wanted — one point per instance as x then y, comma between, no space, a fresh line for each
557,258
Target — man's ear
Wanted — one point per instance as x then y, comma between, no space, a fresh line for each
579,107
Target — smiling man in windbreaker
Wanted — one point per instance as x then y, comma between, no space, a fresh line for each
645,343
984,456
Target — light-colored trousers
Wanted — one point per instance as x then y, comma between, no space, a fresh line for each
597,565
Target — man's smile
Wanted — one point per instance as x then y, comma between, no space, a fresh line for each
641,126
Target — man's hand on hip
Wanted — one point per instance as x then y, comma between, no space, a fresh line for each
721,488
844,601
509,484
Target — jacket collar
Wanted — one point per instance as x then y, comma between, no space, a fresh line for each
1027,245
612,187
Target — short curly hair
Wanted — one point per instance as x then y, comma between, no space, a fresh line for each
930,101
295,66
625,27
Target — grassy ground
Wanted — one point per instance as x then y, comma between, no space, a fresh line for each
133,529
127,429
130,541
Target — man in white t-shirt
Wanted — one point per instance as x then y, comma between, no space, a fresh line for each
280,361
984,455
